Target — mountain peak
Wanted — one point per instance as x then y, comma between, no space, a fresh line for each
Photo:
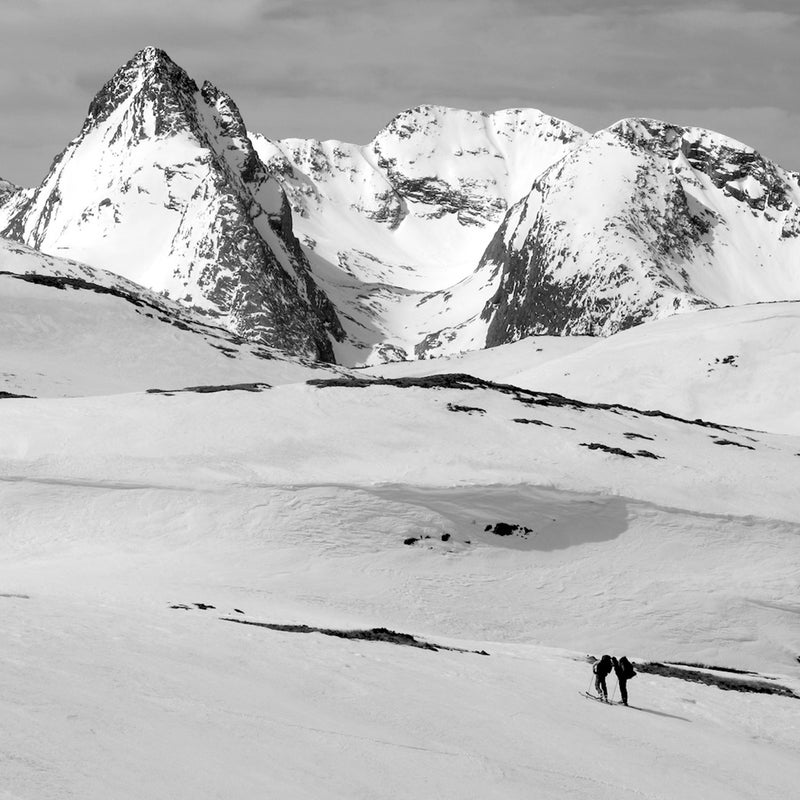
152,64
151,56
152,75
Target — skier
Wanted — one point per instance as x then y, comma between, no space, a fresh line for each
602,668
624,671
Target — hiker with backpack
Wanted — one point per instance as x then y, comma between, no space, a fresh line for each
624,671
601,669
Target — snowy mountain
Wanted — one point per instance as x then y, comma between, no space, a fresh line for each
68,329
639,221
165,185
451,231
643,220
162,185
390,226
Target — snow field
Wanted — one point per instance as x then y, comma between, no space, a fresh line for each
293,504
734,366
693,554
107,691
74,342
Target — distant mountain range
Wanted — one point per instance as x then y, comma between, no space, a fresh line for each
452,230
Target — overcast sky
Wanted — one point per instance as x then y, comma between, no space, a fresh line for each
343,68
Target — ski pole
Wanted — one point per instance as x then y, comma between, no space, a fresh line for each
614,693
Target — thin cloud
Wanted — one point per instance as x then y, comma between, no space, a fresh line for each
324,69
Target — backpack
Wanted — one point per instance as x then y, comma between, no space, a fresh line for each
603,667
627,668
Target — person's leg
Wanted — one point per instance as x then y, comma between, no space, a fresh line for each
623,691
602,690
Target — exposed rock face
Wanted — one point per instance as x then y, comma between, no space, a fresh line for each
163,185
11,199
644,220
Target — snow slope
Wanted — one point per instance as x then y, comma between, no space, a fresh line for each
730,365
98,333
177,703
455,469
116,508
644,220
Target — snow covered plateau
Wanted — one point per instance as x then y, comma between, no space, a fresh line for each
327,471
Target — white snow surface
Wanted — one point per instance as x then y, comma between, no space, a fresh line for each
735,365
135,526
76,341
292,506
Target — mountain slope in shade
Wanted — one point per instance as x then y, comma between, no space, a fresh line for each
391,225
162,185
644,220
67,329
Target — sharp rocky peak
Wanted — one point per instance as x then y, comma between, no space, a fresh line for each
151,76
230,118
223,240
